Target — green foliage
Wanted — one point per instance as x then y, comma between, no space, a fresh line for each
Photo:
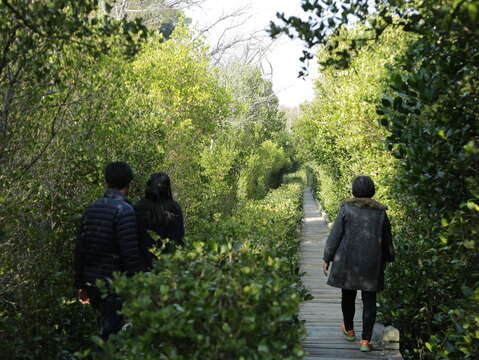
461,338
75,105
255,105
234,293
328,18
262,171
219,163
186,108
38,69
431,109
427,171
338,130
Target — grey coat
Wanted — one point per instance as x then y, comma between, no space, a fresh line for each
359,246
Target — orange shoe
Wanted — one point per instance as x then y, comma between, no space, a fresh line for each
349,334
366,346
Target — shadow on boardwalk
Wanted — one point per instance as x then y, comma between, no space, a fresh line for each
323,314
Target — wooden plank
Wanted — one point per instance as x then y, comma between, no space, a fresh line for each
344,353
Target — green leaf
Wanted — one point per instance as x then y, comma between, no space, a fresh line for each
262,348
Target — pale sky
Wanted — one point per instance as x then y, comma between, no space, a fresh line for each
284,53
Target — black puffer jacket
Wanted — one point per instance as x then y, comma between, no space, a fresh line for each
359,246
107,240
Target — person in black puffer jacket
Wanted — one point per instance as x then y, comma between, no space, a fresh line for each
107,241
159,213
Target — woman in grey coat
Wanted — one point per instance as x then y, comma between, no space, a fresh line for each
359,246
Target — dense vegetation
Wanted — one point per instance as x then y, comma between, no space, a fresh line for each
86,84
79,89
413,65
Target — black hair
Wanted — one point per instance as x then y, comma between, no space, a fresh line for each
363,187
158,187
118,175
158,207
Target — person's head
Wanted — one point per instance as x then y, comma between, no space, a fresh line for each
118,175
363,187
158,187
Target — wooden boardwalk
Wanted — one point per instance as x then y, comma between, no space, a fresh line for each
323,314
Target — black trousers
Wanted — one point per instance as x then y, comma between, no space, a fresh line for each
108,306
348,300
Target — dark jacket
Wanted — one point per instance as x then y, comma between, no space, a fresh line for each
359,246
171,228
107,240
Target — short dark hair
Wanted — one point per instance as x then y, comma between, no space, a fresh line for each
363,187
118,175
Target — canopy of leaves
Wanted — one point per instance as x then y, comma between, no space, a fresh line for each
326,18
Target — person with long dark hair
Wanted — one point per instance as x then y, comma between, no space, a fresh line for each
159,213
359,246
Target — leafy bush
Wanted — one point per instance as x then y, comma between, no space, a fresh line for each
431,110
262,171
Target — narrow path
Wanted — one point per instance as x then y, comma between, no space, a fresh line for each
323,313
